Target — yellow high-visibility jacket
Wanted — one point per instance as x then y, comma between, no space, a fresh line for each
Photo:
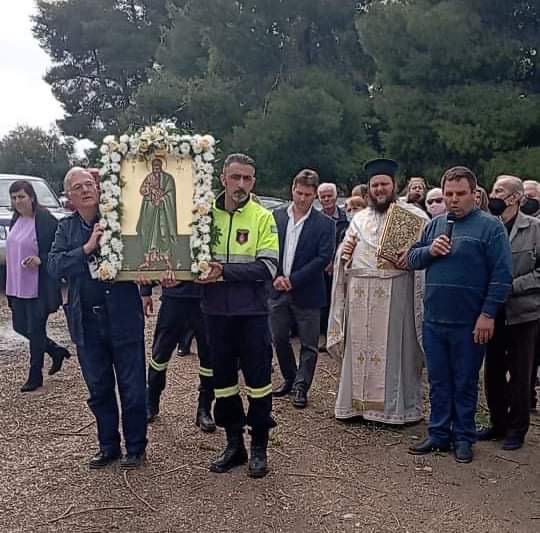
248,248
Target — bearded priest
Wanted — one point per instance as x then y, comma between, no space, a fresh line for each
376,314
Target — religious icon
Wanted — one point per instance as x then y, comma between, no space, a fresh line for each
157,216
156,205
157,219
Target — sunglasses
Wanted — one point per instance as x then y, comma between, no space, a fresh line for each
435,201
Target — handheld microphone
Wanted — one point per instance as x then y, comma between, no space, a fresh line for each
450,220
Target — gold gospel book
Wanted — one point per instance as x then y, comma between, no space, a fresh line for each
401,230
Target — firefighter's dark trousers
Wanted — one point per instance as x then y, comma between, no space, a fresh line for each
244,339
175,316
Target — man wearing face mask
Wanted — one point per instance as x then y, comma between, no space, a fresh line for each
435,202
530,204
511,350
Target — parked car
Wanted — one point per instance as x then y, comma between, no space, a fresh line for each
271,202
46,198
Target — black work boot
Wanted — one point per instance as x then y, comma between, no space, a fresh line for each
235,453
58,355
203,418
258,461
152,405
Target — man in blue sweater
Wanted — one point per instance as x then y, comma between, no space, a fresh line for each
468,278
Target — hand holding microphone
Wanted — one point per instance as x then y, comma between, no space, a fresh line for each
442,245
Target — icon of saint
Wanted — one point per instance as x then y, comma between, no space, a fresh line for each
157,225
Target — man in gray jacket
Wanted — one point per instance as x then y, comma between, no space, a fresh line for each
512,349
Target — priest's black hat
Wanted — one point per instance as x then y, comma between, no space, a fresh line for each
376,167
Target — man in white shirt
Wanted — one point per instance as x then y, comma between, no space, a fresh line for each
306,243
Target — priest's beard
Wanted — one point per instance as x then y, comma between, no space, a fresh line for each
381,206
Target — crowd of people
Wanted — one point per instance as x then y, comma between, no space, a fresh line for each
466,294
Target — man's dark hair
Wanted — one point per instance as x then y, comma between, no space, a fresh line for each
243,159
460,173
308,178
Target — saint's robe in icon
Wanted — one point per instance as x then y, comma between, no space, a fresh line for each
157,225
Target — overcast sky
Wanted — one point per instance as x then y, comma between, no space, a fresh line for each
24,97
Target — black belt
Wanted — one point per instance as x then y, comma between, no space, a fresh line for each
95,309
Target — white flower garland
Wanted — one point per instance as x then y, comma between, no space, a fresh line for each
145,144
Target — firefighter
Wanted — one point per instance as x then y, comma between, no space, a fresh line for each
180,310
234,302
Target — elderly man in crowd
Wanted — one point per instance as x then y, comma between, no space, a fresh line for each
106,323
373,327
468,263
327,194
435,202
511,351
531,200
306,244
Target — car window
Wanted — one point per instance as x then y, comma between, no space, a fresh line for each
45,196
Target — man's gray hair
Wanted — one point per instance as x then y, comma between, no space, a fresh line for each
73,172
436,191
533,183
514,184
331,186
243,159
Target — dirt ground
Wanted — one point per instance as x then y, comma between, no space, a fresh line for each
326,476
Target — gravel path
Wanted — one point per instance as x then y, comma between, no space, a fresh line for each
326,476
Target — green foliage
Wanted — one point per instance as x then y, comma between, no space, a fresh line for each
35,152
314,121
101,50
455,83
236,69
325,84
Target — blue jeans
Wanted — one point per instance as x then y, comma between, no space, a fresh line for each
103,364
453,363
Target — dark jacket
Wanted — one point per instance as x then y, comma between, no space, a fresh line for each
474,278
342,223
185,289
523,305
48,288
314,252
68,260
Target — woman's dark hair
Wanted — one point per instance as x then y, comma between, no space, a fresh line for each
26,186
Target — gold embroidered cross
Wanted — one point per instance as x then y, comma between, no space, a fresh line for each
380,292
376,359
359,292
334,331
